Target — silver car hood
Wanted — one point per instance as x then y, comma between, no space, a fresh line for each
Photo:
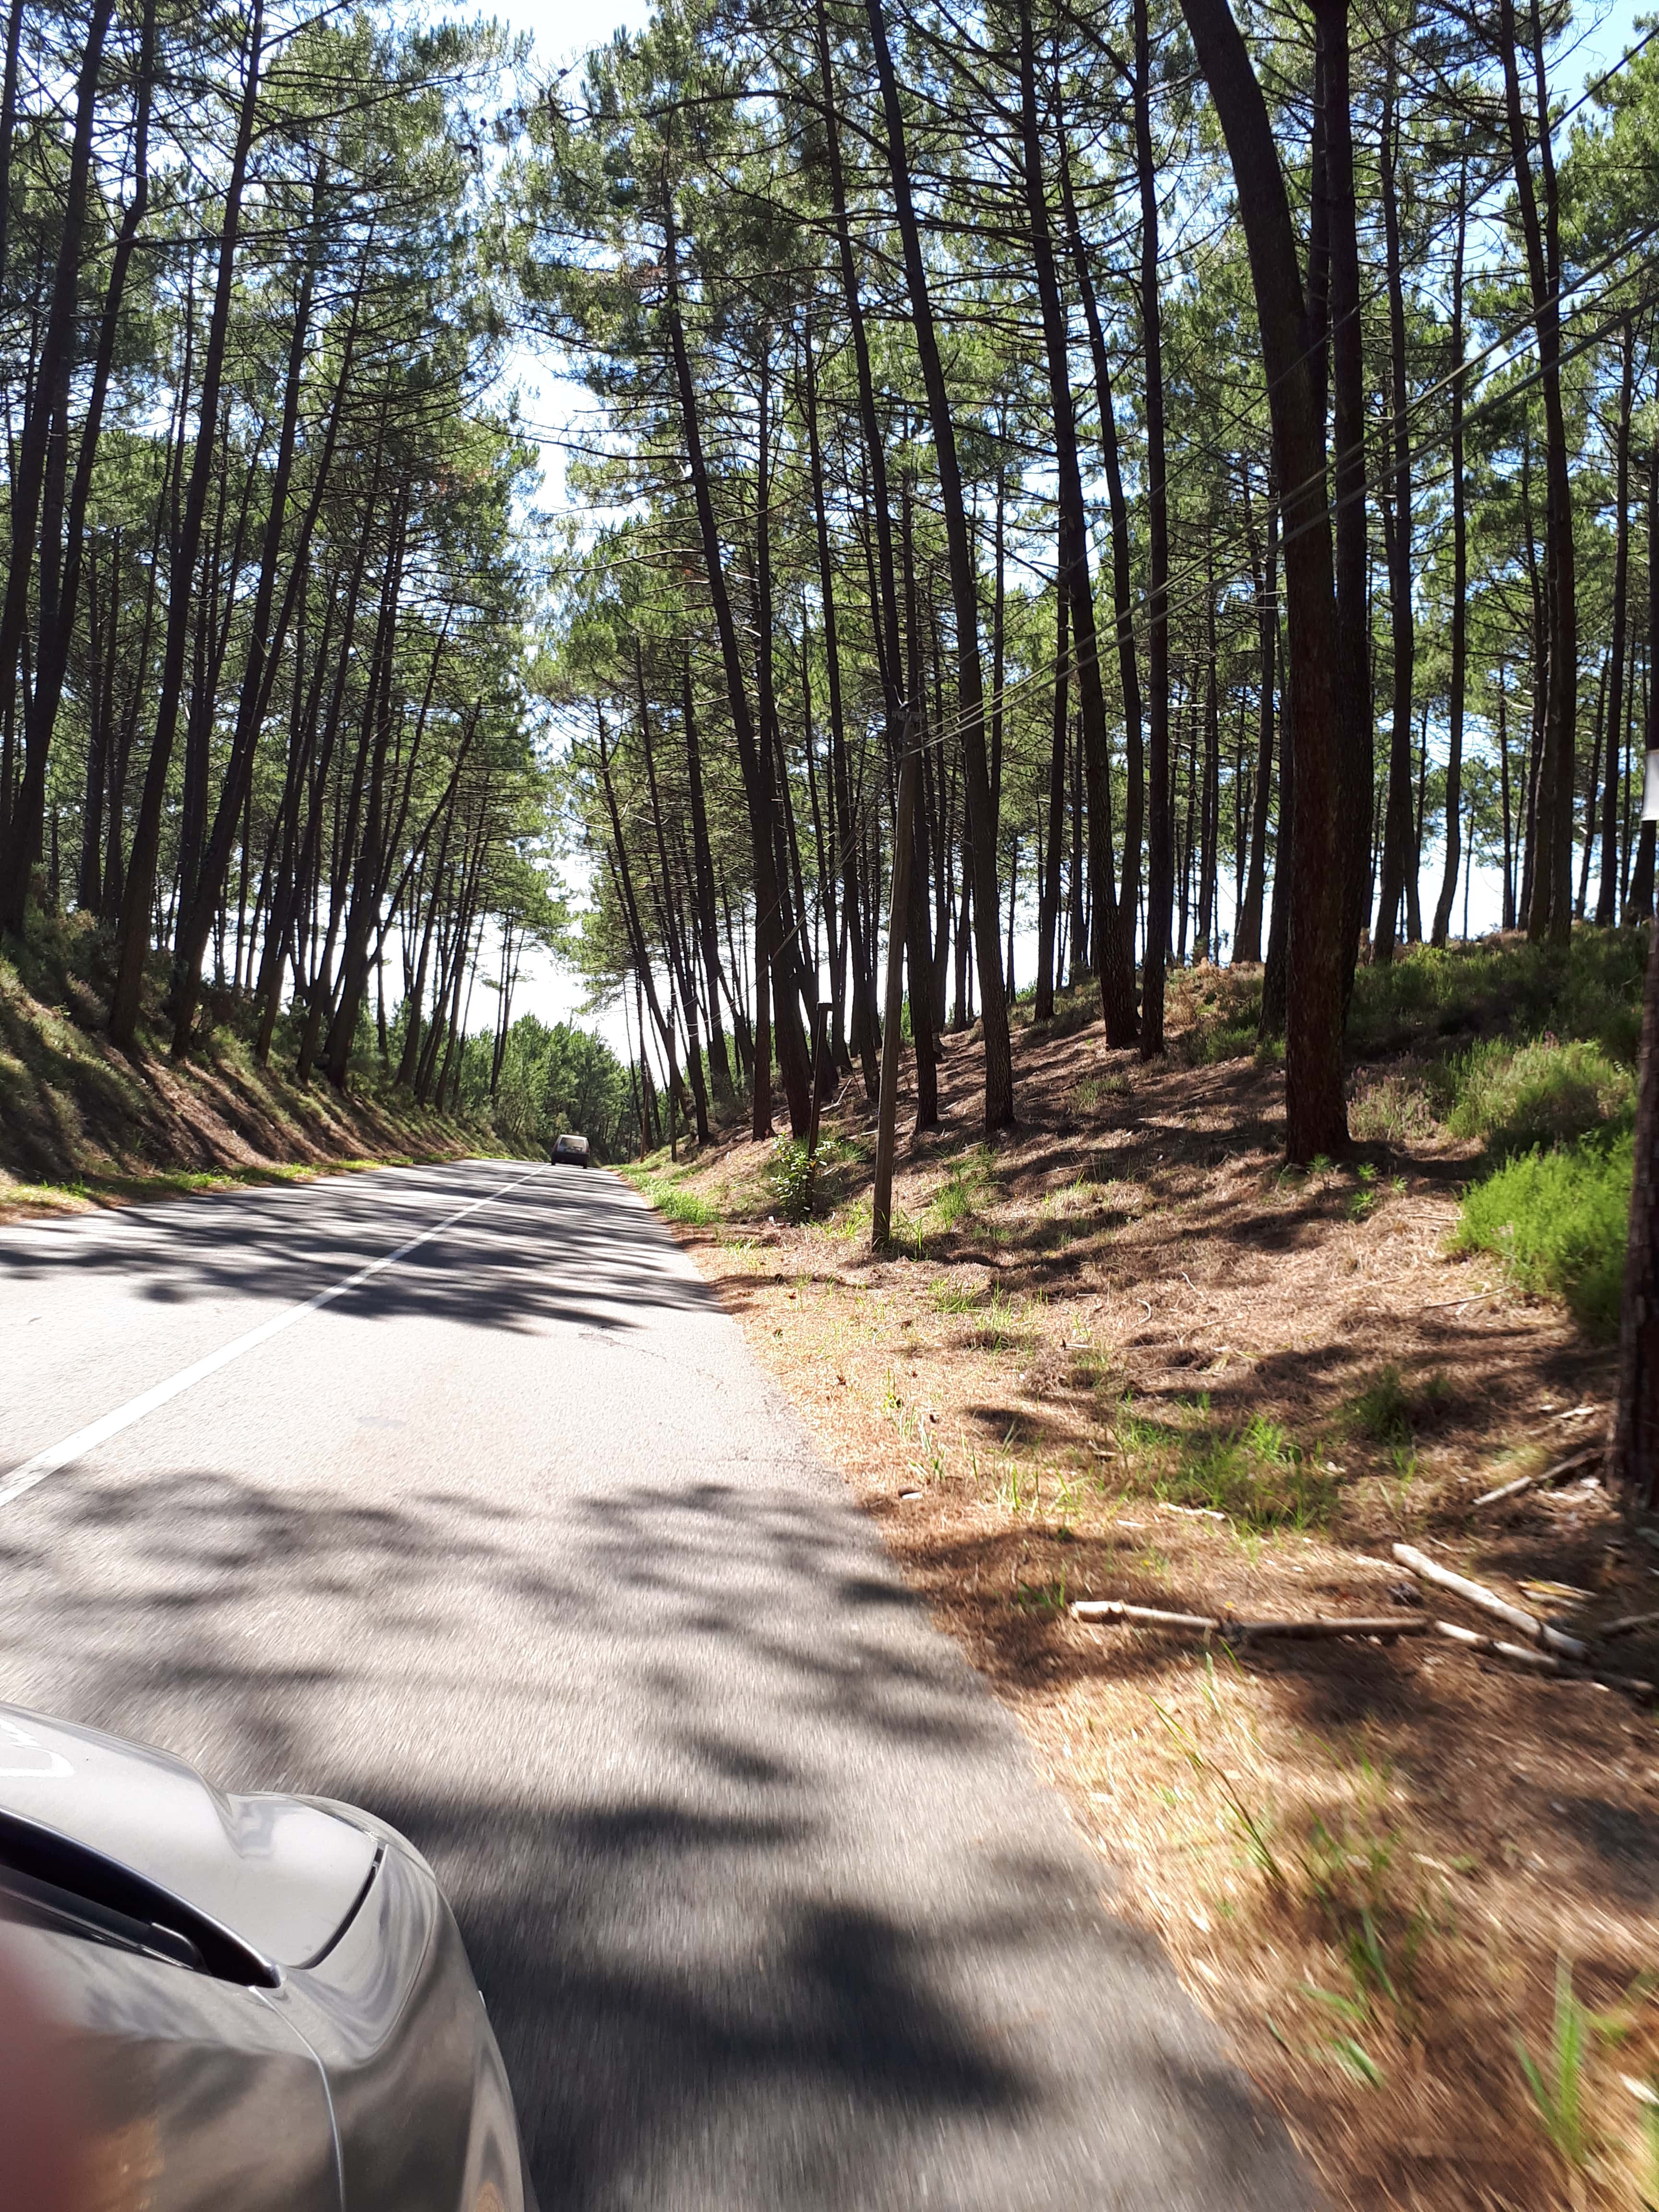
282,1876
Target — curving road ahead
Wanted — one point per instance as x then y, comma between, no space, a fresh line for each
510,1541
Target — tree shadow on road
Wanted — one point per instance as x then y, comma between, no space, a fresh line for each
766,1909
559,1248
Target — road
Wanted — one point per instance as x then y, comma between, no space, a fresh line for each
513,1542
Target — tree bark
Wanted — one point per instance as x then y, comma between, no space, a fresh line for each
774,948
964,593
41,463
861,1037
1550,908
703,875
1607,903
1135,810
265,638
1048,902
1457,678
1116,965
133,941
1246,937
1397,818
1354,763
1160,829
1316,1107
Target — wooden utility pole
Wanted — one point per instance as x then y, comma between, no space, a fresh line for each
898,908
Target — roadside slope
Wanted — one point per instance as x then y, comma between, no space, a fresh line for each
84,1124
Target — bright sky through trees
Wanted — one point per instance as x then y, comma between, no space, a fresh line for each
556,410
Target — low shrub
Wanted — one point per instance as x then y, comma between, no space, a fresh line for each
1558,1221
792,1175
1590,989
1516,1098
1397,1108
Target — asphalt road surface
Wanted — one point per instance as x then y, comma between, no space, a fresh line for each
513,1542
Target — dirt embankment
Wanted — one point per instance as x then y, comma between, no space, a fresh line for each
1124,1352
82,1124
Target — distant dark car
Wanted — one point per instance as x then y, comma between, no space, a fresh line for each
266,1997
572,1148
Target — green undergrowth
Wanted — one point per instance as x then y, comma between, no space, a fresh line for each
1429,1003
1516,1098
792,1176
663,1190
1558,1220
1588,990
1549,1098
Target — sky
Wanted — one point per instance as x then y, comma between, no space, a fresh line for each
563,30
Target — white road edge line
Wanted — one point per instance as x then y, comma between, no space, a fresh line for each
56,1456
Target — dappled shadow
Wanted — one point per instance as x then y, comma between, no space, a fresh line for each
556,1247
766,1908
72,1104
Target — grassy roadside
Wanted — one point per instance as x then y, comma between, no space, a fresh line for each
82,1125
1123,1353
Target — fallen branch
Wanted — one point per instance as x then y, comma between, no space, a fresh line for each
1573,1459
1542,1662
1196,1512
1113,1608
1538,1481
1392,1624
1628,1623
1487,1601
1506,1490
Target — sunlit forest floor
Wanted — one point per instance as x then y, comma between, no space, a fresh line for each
82,1125
1124,1352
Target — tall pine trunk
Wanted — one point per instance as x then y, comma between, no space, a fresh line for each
1114,929
1549,910
1397,821
1607,903
964,593
1457,679
1160,827
1315,1106
133,939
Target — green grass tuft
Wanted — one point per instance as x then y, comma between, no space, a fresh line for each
670,1201
1382,1412
1255,1474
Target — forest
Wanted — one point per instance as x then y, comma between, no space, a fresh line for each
1085,494
266,612
1089,571
946,388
